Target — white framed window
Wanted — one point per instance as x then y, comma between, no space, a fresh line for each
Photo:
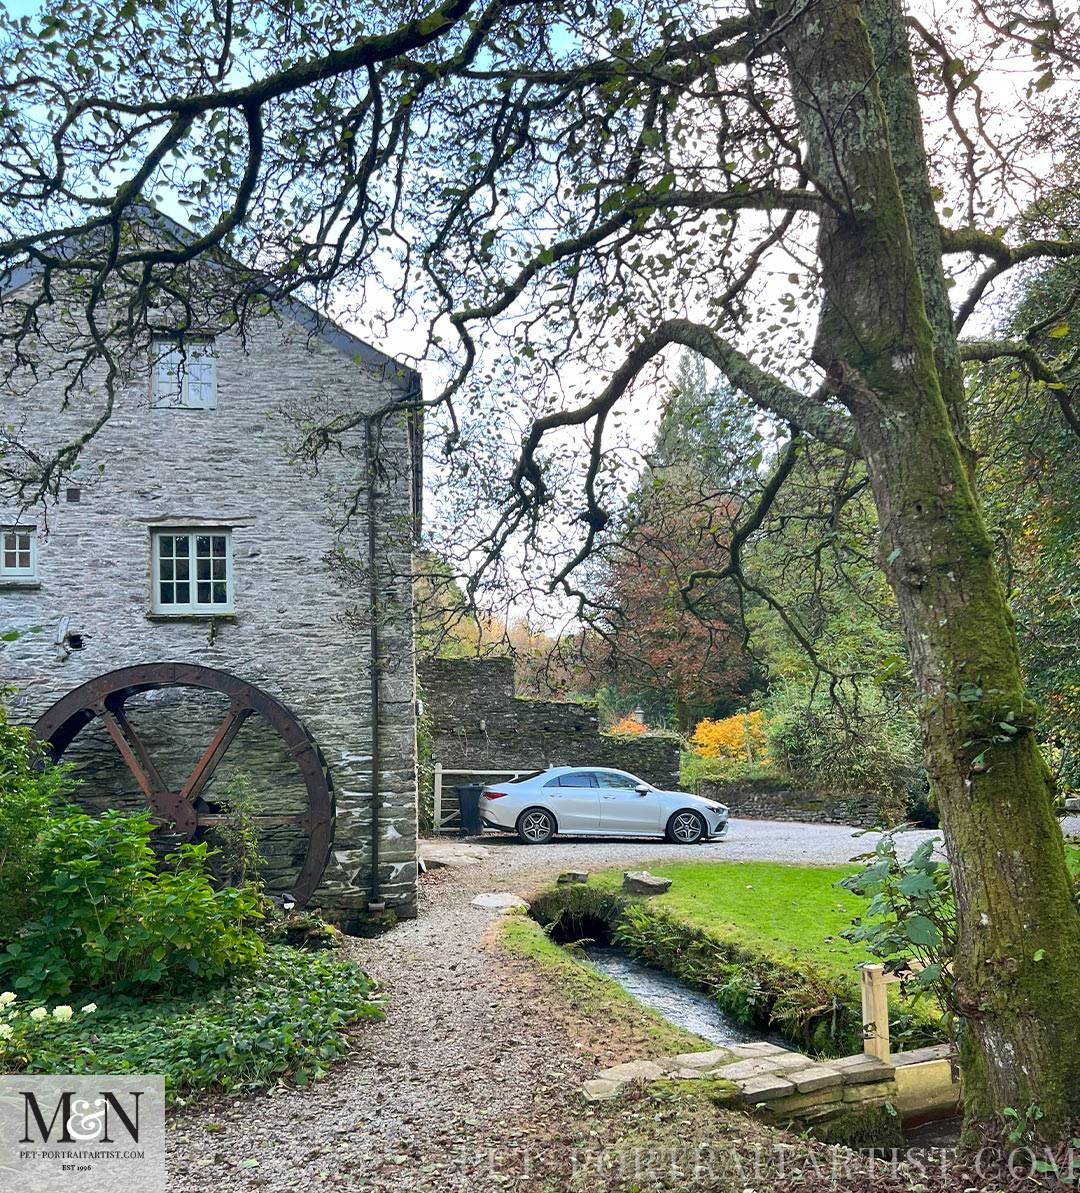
185,374
18,553
192,570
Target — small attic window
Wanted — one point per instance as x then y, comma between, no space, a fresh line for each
185,374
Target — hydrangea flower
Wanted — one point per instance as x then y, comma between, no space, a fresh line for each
38,1013
7,998
89,1009
5,1031
62,1013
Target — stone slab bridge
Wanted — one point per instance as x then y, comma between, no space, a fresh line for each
788,1087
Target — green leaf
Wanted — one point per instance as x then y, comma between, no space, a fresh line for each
921,930
928,975
916,885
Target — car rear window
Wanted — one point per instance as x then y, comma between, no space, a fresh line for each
525,778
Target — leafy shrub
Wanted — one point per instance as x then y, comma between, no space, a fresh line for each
23,1029
236,838
286,1022
103,913
866,747
740,738
27,793
910,921
693,768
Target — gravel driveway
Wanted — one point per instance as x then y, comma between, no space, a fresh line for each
468,1056
747,840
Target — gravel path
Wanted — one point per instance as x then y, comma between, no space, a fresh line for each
468,1057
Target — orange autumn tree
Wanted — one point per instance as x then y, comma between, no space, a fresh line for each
653,638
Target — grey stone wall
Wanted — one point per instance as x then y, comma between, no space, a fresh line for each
773,799
477,721
300,624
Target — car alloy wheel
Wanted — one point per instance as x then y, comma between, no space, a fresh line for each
536,827
686,828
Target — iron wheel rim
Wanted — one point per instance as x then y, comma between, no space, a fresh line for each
107,693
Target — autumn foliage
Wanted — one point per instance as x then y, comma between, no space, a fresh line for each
664,633
740,738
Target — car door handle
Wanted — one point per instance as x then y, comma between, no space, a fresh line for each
610,797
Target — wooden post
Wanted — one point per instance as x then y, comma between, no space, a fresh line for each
437,807
875,1012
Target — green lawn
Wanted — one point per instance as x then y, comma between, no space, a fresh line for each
792,911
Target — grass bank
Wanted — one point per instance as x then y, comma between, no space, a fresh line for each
600,1007
792,912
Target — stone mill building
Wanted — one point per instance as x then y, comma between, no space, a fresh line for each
200,609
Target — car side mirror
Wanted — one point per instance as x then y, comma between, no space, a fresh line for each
642,790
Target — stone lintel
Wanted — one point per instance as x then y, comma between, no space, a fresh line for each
862,1067
795,1103
816,1077
919,1056
766,1088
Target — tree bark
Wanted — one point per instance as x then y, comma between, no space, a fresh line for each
893,367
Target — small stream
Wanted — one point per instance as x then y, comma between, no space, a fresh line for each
677,1002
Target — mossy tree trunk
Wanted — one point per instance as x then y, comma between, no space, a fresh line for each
889,351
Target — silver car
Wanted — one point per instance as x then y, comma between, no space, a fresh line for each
590,801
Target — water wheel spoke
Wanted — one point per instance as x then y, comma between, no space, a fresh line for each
215,751
115,708
145,775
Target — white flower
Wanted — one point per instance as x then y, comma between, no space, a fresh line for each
89,1009
7,998
62,1013
5,1031
38,1013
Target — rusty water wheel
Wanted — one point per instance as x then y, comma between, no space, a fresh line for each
185,812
